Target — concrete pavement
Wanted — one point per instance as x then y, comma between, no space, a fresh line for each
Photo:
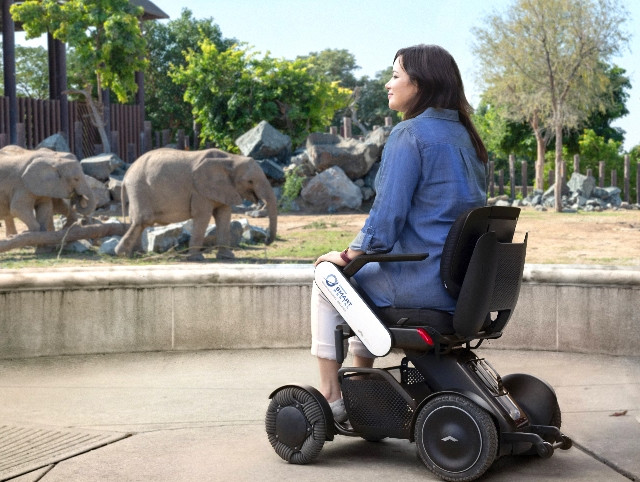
198,416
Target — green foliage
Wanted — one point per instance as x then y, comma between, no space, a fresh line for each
291,189
373,105
32,72
233,90
336,65
105,35
634,154
167,45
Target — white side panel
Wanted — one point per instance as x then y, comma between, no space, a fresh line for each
353,309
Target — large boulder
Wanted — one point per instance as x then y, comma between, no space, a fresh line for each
56,142
101,166
100,191
211,236
332,189
581,184
115,188
160,239
353,157
272,169
264,142
378,138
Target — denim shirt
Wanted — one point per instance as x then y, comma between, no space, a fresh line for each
430,173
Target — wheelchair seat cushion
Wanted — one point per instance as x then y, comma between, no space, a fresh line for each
439,320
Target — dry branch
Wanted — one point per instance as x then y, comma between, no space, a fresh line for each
49,238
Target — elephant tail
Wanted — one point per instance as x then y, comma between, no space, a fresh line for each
123,197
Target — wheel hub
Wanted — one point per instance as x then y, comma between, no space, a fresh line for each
291,427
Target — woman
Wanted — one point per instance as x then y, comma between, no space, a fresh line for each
433,168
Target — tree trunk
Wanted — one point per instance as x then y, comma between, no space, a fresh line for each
74,233
558,162
96,116
541,144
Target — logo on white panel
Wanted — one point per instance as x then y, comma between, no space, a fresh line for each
338,293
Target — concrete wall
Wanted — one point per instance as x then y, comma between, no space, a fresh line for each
190,307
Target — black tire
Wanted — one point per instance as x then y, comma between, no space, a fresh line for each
295,425
556,421
456,439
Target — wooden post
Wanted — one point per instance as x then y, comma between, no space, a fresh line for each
492,178
627,168
552,177
614,178
115,143
158,144
501,182
589,172
601,174
576,163
638,183
512,175
333,130
4,140
563,174
524,176
166,137
9,60
197,127
21,139
347,127
187,145
146,146
388,121
77,137
180,140
131,153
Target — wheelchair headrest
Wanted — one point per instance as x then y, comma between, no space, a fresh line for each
463,236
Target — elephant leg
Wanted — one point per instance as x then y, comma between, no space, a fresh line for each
197,237
222,216
129,240
10,227
44,215
22,207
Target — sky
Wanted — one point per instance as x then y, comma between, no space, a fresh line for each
373,30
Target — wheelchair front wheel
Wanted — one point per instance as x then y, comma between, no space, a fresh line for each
295,425
456,439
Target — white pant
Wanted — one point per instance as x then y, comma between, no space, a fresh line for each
324,319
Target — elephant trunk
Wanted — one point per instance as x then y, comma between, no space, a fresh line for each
85,201
268,196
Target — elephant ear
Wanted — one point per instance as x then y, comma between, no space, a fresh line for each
213,178
43,179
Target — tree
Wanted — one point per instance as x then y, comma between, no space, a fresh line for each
542,61
234,90
167,45
106,37
336,65
32,72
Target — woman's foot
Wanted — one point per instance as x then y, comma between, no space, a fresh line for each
339,411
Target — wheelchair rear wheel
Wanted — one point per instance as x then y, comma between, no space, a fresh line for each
295,425
456,439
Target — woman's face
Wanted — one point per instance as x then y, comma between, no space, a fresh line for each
401,90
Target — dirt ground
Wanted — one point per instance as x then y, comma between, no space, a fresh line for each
607,238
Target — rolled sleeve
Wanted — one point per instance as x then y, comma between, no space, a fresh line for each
398,178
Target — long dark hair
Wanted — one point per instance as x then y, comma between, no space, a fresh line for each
436,74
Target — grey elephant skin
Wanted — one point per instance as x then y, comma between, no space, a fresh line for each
167,186
34,185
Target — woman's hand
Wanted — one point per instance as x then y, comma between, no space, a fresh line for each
335,258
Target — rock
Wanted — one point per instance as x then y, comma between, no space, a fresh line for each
503,203
56,142
540,207
100,191
493,200
115,188
332,188
258,213
108,245
160,239
263,142
272,169
581,184
612,191
378,138
370,178
537,199
355,158
569,210
101,166
59,222
549,193
80,246
359,182
625,205
516,203
367,193
236,231
254,235
599,193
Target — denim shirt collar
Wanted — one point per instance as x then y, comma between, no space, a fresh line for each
446,114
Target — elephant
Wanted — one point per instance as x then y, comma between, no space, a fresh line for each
34,185
166,186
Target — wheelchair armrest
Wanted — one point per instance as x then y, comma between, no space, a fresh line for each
355,265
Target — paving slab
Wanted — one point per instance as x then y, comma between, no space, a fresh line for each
199,416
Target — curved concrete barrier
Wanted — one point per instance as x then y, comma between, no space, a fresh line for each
188,307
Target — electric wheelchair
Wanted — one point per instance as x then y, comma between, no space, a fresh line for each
459,411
